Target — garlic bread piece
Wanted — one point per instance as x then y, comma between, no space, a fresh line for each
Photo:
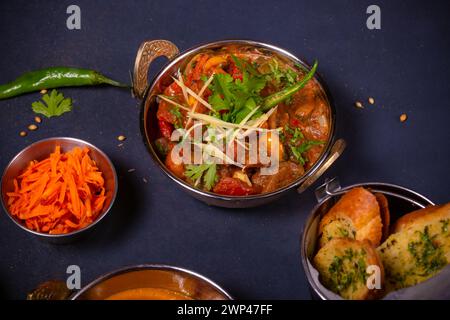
419,248
342,264
384,213
360,211
339,228
423,216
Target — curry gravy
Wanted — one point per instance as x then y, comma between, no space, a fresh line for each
148,294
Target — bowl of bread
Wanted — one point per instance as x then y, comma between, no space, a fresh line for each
376,241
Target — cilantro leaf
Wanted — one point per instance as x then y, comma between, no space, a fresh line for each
298,145
223,85
250,85
210,178
55,104
218,103
235,96
298,151
221,98
244,65
194,172
207,171
279,76
175,110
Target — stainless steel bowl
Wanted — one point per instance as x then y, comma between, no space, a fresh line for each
176,279
42,149
149,50
401,201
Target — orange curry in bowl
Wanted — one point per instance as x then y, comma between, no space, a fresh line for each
148,294
237,91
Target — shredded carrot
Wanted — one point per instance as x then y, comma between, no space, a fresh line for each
60,194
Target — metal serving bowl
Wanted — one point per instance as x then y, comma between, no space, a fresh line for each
42,149
176,279
149,50
155,276
401,201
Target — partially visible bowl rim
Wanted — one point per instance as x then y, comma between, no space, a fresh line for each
140,267
212,195
60,235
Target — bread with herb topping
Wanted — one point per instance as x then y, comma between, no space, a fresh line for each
342,264
419,247
356,215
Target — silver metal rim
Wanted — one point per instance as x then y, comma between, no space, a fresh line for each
161,267
64,235
212,195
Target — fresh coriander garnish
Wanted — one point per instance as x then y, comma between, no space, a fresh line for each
298,149
176,112
55,104
207,171
233,99
279,76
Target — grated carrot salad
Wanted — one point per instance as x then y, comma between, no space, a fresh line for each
60,194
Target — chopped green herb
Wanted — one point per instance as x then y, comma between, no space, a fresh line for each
162,148
281,76
280,96
428,255
444,225
298,151
233,99
210,178
55,104
207,171
347,270
297,148
296,133
176,112
344,232
244,66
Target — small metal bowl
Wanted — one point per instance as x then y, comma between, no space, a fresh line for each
176,279
42,149
401,201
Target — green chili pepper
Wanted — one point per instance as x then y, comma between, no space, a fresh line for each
277,97
54,77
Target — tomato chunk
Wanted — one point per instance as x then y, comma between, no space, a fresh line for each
235,72
233,187
173,89
165,128
175,167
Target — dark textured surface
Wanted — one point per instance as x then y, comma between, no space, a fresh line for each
251,253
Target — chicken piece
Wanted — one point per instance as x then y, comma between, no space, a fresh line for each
288,172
